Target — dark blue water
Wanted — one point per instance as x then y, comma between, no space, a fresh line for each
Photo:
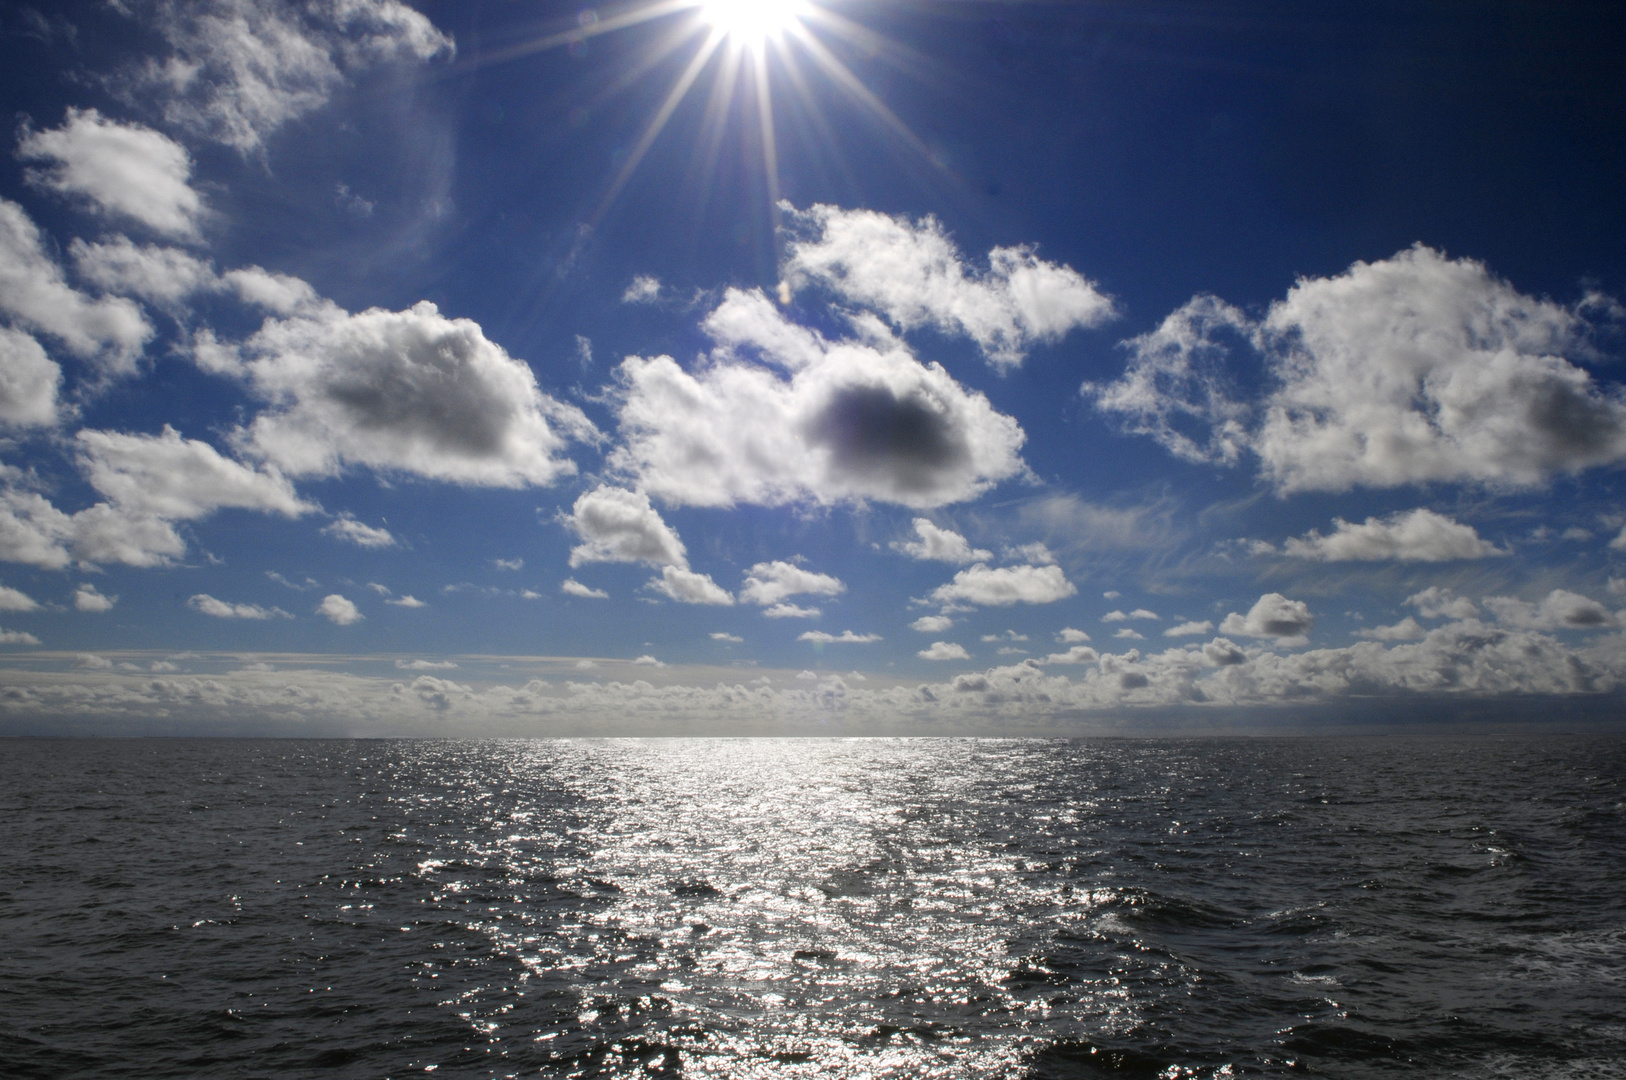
952,908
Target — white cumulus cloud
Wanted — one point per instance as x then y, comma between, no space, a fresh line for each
403,392
1436,602
912,273
1407,629
767,583
1078,654
690,587
220,609
942,545
87,598
643,290
240,69
124,170
171,477
572,587
28,382
778,415
1001,586
944,650
846,637
1190,629
355,532
1419,535
1558,610
338,610
16,600
1288,622
617,525
1412,369
932,624
790,611
109,331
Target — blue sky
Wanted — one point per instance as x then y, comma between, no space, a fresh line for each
814,366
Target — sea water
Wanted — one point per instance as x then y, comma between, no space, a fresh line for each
813,908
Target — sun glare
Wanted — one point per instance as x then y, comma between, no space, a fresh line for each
752,21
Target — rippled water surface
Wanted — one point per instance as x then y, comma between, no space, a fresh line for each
924,908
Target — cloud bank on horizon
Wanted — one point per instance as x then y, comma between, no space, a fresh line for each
899,461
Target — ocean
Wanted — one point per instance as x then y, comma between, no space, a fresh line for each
956,908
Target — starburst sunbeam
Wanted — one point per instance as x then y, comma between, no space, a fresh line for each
747,45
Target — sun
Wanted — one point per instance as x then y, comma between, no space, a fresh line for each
752,21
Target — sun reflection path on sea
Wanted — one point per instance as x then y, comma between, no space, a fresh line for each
782,908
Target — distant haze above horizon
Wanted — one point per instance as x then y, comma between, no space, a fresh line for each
811,367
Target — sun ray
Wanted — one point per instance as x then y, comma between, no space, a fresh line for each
855,89
679,91
754,42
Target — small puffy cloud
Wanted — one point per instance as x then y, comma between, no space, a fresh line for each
790,611
617,525
220,609
643,290
1407,629
846,637
108,534
944,650
572,587
1222,653
1130,635
339,611
150,482
932,624
240,69
508,564
28,382
109,331
87,598
1435,602
1111,594
350,530
780,415
1078,654
999,587
1009,635
17,600
163,276
17,637
92,662
406,602
403,392
170,477
308,583
942,545
123,170
767,583
1407,370
278,294
732,639
1071,636
33,531
1189,629
689,587
1122,616
1419,535
649,661
1274,616
425,665
1175,389
1559,610
912,273
1036,553
1619,542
